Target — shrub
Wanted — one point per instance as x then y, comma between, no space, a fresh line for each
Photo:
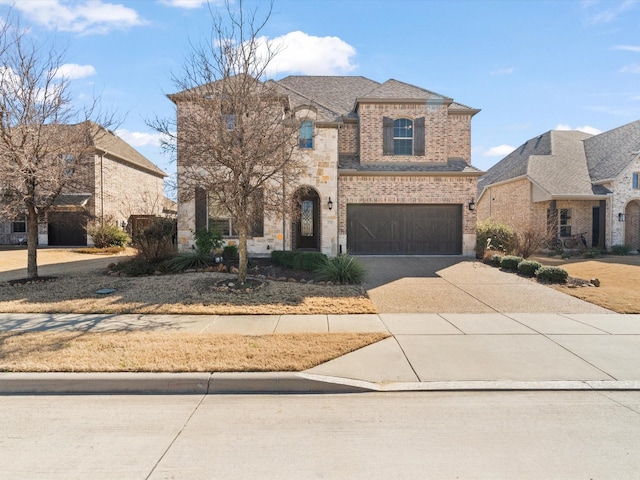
529,267
528,241
189,260
621,249
307,261
591,253
230,253
552,274
207,240
155,241
138,266
492,258
494,236
510,262
343,269
108,235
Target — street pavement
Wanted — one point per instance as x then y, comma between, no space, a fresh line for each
454,324
399,435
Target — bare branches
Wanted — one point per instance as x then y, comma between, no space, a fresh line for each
45,142
234,135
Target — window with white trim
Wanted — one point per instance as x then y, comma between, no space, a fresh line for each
305,135
402,137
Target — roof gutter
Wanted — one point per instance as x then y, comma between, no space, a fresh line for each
158,172
397,173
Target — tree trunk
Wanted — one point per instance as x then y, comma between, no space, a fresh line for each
32,243
242,256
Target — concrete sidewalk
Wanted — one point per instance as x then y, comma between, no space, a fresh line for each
446,351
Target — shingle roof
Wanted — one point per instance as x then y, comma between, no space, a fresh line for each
392,89
109,142
352,162
610,152
334,94
555,161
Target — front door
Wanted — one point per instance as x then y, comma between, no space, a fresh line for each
307,222
595,227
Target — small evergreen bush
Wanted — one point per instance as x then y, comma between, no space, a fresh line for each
343,269
307,261
510,262
552,274
591,253
529,267
207,240
494,236
230,253
108,235
492,258
621,249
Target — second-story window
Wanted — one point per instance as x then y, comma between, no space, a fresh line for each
403,137
305,135
635,182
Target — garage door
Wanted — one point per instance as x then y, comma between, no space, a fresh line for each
67,229
404,229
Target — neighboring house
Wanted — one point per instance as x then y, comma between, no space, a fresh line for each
117,184
567,183
388,173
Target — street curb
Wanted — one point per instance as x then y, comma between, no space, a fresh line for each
262,383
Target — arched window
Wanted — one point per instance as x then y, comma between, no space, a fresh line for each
402,137
305,135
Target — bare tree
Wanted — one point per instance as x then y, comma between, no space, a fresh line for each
44,140
234,135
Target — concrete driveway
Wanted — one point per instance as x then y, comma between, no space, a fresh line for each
459,285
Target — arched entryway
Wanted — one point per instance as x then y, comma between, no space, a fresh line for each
632,224
306,220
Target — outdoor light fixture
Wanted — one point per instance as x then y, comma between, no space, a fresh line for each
330,204
472,205
621,217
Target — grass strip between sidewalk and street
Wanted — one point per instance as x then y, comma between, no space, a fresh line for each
173,352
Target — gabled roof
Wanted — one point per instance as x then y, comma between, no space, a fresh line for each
393,89
555,161
108,142
609,153
335,95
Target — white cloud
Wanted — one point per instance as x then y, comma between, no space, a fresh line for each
82,17
190,4
631,68
608,14
503,71
627,48
140,139
499,151
309,55
73,71
585,129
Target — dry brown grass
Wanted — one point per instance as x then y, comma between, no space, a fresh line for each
619,280
172,352
189,293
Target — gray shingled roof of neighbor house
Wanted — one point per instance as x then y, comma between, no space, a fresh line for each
609,153
555,161
108,142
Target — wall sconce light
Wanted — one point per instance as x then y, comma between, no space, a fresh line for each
472,205
330,204
621,217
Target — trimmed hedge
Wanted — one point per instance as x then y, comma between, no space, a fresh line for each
529,267
552,274
510,262
307,261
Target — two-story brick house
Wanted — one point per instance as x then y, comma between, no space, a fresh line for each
388,172
115,182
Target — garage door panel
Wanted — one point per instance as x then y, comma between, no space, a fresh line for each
404,229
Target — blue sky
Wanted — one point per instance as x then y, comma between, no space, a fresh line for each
530,66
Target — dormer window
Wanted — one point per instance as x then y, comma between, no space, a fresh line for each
403,137
305,135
